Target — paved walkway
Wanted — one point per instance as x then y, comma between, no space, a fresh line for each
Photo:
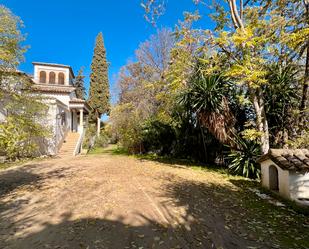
119,202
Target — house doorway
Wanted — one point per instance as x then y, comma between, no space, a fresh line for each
273,178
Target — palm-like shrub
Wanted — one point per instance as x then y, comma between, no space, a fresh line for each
206,97
243,161
281,99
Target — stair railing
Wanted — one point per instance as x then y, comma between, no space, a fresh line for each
78,147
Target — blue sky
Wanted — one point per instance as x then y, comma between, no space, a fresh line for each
64,31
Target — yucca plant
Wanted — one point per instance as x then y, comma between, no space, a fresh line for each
206,97
281,99
243,161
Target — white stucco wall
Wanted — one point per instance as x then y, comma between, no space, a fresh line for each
61,129
62,97
2,113
283,178
299,186
56,70
50,145
292,185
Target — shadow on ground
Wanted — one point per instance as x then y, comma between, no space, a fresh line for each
201,224
26,177
234,217
113,150
214,216
99,233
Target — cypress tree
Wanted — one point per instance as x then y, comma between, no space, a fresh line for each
99,95
79,84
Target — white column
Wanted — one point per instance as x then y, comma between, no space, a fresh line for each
81,120
98,126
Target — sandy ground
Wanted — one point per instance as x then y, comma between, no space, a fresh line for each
120,202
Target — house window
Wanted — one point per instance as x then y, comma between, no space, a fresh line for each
61,78
42,77
273,178
63,118
52,78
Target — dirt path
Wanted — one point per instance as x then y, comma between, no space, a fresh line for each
120,202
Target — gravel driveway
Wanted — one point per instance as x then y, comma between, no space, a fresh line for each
105,201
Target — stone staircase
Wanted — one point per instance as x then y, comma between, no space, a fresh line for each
69,144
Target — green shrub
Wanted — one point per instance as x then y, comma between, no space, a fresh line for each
158,137
102,140
91,132
243,160
19,137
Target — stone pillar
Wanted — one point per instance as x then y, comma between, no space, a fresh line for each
81,120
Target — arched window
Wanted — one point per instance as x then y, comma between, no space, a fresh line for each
273,178
42,77
61,78
52,78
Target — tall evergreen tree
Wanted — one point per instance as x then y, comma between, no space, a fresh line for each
79,84
99,95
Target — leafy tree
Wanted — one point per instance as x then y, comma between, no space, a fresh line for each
11,53
143,83
296,40
79,84
282,96
264,32
99,95
22,129
143,89
127,124
263,106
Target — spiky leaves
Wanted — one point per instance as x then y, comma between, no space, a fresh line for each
243,161
282,95
206,98
99,95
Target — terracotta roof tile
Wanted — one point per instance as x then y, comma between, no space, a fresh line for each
80,101
53,88
75,100
289,159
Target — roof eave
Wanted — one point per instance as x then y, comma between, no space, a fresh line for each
55,65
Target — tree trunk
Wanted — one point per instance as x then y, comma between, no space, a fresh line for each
256,94
98,126
265,136
261,120
302,107
303,103
204,145
235,15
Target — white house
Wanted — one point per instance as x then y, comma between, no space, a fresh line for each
66,115
287,172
